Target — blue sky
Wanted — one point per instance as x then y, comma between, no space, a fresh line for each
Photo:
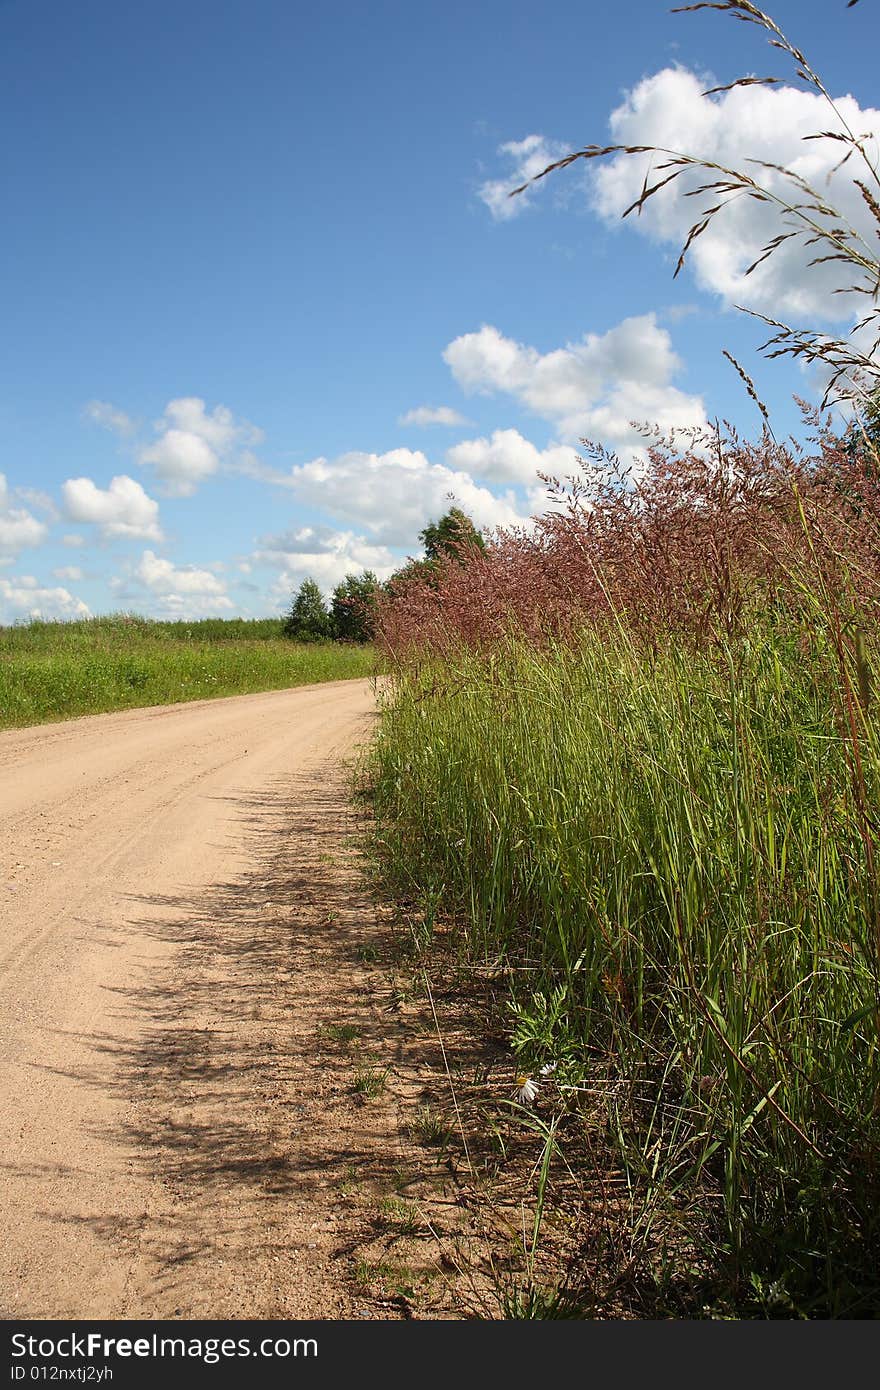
265,305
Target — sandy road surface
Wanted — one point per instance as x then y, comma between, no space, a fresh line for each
176,928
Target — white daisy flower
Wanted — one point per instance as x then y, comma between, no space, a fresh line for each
527,1089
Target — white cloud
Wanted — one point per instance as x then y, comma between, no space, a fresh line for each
527,158
592,389
432,415
757,123
108,417
163,577
181,461
169,590
18,528
393,495
220,428
322,554
121,511
192,442
509,458
73,540
24,597
71,573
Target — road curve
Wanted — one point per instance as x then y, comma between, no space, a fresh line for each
128,861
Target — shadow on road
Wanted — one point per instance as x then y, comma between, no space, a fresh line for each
268,1079
256,1090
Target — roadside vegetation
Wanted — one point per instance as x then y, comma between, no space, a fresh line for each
629,760
57,670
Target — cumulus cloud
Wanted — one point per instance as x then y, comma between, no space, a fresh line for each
526,159
393,495
24,597
163,577
749,123
181,461
70,573
108,417
509,458
171,590
591,389
19,529
121,511
192,442
322,554
220,428
432,415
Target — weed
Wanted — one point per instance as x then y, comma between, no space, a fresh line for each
526,1299
402,1216
370,1081
397,1279
342,1032
430,1128
365,1271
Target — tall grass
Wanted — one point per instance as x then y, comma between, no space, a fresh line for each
59,670
650,785
632,751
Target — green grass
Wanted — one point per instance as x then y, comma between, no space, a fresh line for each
430,1128
675,854
51,671
370,1081
342,1032
401,1216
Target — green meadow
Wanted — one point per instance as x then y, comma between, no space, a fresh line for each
58,670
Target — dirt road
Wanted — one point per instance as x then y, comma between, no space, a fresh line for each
180,930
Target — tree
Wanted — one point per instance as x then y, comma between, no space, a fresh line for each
453,535
307,619
353,610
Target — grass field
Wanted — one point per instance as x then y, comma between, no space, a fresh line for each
52,671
